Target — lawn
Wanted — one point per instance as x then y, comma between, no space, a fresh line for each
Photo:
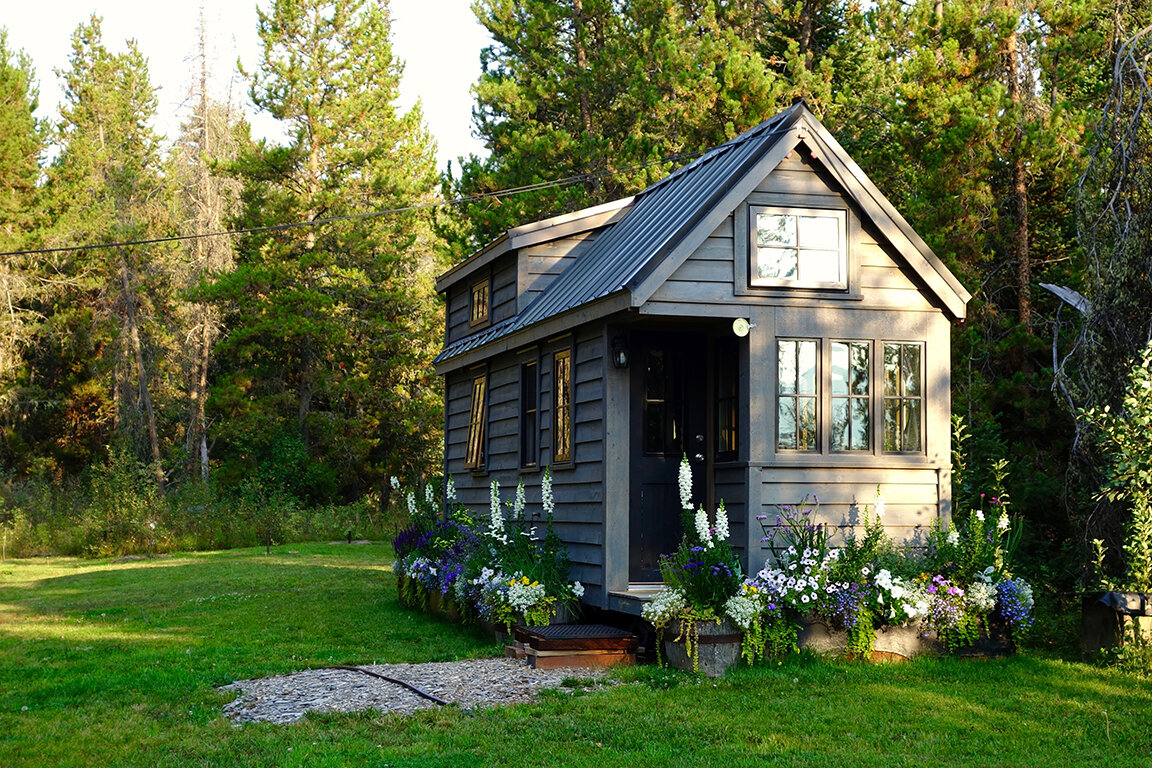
107,663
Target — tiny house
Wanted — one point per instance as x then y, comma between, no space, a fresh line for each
764,311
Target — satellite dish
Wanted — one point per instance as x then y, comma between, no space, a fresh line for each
740,327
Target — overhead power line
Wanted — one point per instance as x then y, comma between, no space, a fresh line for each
509,192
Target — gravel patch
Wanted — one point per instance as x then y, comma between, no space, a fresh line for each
472,683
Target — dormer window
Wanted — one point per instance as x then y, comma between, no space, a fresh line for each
479,304
798,247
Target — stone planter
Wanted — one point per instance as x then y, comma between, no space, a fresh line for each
1108,618
906,641
890,644
717,646
818,637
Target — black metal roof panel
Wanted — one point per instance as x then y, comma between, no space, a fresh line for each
660,217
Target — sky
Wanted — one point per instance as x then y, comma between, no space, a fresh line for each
439,41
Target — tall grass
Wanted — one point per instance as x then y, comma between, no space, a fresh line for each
116,509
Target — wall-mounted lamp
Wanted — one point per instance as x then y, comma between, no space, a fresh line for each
619,353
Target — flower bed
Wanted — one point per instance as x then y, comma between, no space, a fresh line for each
491,568
956,595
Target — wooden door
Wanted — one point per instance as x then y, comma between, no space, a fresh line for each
669,408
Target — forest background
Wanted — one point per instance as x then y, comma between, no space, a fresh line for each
181,389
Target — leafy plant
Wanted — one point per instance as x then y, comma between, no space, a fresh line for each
1123,437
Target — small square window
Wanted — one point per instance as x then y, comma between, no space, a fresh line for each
798,248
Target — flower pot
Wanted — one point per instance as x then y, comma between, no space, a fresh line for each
906,641
817,636
996,643
1106,618
715,646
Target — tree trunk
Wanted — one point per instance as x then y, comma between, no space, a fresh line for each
142,372
1020,234
807,11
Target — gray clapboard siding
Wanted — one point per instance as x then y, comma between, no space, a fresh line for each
540,264
457,313
503,287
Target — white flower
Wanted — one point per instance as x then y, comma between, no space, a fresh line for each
428,494
546,499
395,483
496,520
953,538
864,571
721,523
805,599
1002,523
896,591
412,511
518,503
664,606
981,596
702,528
685,480
979,515
577,589
451,489
880,510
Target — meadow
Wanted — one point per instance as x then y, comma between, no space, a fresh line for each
118,663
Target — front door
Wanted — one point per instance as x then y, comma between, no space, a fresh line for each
669,419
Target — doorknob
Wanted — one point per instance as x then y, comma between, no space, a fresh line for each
699,457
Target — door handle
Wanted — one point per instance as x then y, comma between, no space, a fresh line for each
699,457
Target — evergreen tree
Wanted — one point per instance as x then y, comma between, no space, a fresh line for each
326,381
106,329
213,134
612,95
21,142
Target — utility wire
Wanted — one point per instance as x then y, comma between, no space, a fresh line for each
509,192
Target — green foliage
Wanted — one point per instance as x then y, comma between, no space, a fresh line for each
124,509
331,329
1122,437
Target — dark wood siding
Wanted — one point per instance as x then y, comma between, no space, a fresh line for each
578,487
540,264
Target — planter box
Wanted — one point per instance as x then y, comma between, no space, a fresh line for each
1107,618
718,647
906,641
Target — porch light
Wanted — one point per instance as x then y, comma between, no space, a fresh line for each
619,353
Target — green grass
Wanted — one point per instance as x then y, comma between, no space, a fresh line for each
118,664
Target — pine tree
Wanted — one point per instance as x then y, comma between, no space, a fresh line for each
326,381
105,335
610,95
22,139
213,134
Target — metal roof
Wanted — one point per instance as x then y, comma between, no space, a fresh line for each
659,218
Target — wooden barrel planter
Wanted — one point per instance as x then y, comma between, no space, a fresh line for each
717,646
1107,618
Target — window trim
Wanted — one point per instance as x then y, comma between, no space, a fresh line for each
475,454
562,408
752,246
